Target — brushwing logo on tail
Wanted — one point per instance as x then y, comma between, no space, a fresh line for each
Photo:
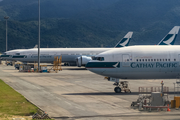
125,41
170,40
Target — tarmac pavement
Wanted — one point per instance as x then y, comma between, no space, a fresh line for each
76,93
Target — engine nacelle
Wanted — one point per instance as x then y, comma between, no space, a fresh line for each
83,60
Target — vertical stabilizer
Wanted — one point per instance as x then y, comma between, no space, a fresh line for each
125,41
170,38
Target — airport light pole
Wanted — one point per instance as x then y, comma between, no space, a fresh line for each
6,18
39,40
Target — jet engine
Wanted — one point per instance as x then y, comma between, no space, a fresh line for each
83,60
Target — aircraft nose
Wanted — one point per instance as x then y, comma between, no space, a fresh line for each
5,56
94,67
89,66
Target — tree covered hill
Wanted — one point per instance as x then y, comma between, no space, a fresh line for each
55,33
28,9
87,23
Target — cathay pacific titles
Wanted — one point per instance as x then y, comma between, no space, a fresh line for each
152,65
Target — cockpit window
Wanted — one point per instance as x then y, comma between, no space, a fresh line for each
99,58
102,58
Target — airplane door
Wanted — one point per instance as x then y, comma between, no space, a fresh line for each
126,60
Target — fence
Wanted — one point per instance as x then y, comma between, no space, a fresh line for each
146,90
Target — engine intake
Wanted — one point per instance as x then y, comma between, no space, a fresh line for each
83,60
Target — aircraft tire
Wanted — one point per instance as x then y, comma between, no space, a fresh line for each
117,90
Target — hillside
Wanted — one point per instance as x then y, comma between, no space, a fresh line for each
89,23
55,33
28,9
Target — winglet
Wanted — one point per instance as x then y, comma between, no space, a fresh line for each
170,38
125,41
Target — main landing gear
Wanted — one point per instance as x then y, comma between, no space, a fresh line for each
122,86
117,90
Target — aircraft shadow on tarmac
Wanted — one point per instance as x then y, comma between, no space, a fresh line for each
74,69
110,93
104,93
9,69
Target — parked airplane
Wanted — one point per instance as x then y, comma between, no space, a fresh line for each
73,56
138,62
68,54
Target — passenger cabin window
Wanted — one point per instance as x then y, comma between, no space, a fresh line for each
174,59
168,59
151,59
143,60
148,59
137,60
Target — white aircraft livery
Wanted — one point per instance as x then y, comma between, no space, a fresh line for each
138,62
69,55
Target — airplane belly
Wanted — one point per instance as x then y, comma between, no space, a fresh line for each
100,71
144,75
110,71
150,75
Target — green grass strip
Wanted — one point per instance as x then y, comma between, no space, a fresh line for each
13,103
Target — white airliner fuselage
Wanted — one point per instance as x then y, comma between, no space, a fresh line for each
68,54
138,62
